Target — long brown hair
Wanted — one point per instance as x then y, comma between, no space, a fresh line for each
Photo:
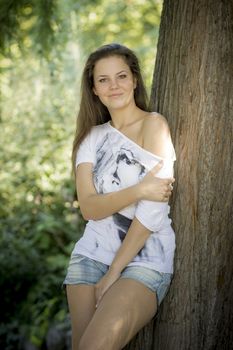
92,111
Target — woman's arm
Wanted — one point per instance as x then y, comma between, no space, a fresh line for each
133,242
98,206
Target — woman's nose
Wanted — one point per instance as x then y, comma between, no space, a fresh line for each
113,83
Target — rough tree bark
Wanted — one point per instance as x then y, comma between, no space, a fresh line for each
193,88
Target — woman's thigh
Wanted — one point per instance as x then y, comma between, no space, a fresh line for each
125,308
158,282
81,301
82,275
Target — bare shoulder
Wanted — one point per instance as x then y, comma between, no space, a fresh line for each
155,122
156,135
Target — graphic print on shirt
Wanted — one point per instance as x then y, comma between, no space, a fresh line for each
116,168
122,223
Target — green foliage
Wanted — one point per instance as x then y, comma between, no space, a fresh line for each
24,21
40,219
44,44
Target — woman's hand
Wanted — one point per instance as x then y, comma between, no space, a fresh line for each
104,284
154,188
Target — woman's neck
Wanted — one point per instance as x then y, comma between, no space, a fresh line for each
121,118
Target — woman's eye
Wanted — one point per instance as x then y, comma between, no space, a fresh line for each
122,76
103,80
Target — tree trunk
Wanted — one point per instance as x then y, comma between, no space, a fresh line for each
193,88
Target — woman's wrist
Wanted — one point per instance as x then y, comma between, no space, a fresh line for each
115,269
136,192
140,191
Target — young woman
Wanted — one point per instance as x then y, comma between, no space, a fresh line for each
121,268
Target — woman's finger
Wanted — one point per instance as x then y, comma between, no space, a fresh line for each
98,301
169,181
98,298
157,167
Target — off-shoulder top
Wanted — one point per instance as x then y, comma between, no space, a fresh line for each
118,162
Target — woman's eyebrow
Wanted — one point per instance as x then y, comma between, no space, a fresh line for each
106,75
122,71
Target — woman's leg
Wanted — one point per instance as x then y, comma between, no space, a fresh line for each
125,308
81,301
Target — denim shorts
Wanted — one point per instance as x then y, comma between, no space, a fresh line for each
84,270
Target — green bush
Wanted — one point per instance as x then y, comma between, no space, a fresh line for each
35,246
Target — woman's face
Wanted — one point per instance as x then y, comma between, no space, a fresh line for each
114,82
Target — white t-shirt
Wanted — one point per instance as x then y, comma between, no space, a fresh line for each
119,163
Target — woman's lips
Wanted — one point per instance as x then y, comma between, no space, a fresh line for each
115,95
